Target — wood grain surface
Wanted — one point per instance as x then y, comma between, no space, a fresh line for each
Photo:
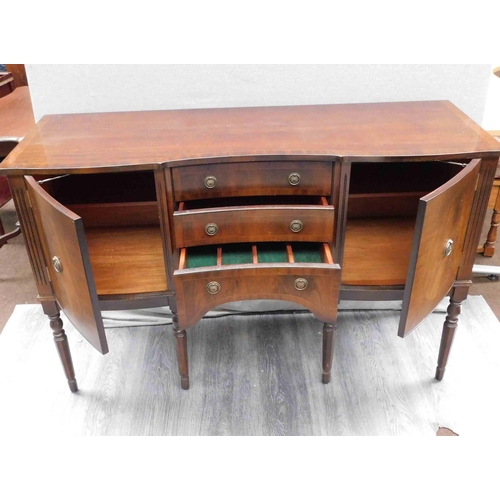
63,238
373,131
253,224
255,375
127,260
443,216
377,250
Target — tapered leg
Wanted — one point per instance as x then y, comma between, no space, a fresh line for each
182,357
489,246
449,327
329,330
62,345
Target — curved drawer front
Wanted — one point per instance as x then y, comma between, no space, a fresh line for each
303,273
252,179
250,224
315,286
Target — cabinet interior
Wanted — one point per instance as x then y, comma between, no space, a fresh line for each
122,228
382,208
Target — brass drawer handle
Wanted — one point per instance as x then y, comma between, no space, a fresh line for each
294,179
210,181
211,229
448,248
301,284
57,264
296,226
213,287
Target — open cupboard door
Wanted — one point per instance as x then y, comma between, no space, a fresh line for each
440,231
67,257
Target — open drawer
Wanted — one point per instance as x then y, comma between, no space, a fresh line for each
240,220
300,272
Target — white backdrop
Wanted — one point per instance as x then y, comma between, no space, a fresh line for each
81,88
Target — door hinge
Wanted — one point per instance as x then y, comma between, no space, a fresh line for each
48,274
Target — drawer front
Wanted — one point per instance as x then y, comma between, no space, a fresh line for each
314,286
252,179
251,224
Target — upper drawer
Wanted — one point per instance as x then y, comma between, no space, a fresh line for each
252,179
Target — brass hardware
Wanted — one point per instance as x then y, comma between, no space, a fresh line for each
448,248
210,181
211,229
213,287
294,179
296,226
301,284
57,264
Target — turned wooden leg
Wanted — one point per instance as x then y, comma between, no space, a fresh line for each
449,327
328,345
182,357
62,345
489,246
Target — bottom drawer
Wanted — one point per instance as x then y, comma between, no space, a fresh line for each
210,276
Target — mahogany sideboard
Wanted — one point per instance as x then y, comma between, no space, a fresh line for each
196,208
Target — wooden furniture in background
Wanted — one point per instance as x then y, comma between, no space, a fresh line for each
195,208
6,84
19,73
488,249
16,118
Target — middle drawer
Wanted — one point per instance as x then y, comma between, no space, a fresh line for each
290,219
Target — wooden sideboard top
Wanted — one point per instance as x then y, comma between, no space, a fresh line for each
374,131
16,115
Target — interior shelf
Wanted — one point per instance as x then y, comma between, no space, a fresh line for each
377,250
127,260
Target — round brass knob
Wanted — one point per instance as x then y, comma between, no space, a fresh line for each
57,264
211,229
301,284
210,181
448,248
296,226
213,287
294,179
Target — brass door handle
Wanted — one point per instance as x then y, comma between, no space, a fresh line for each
294,179
296,226
448,248
213,287
211,229
300,284
210,181
57,264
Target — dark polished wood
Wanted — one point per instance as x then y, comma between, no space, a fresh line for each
61,341
69,268
18,72
328,346
262,178
369,132
449,328
182,355
253,224
440,233
257,281
398,180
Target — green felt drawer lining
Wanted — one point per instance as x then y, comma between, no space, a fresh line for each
242,254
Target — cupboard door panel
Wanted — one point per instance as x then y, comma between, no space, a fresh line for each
440,230
68,263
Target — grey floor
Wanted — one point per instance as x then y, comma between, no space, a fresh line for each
254,375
